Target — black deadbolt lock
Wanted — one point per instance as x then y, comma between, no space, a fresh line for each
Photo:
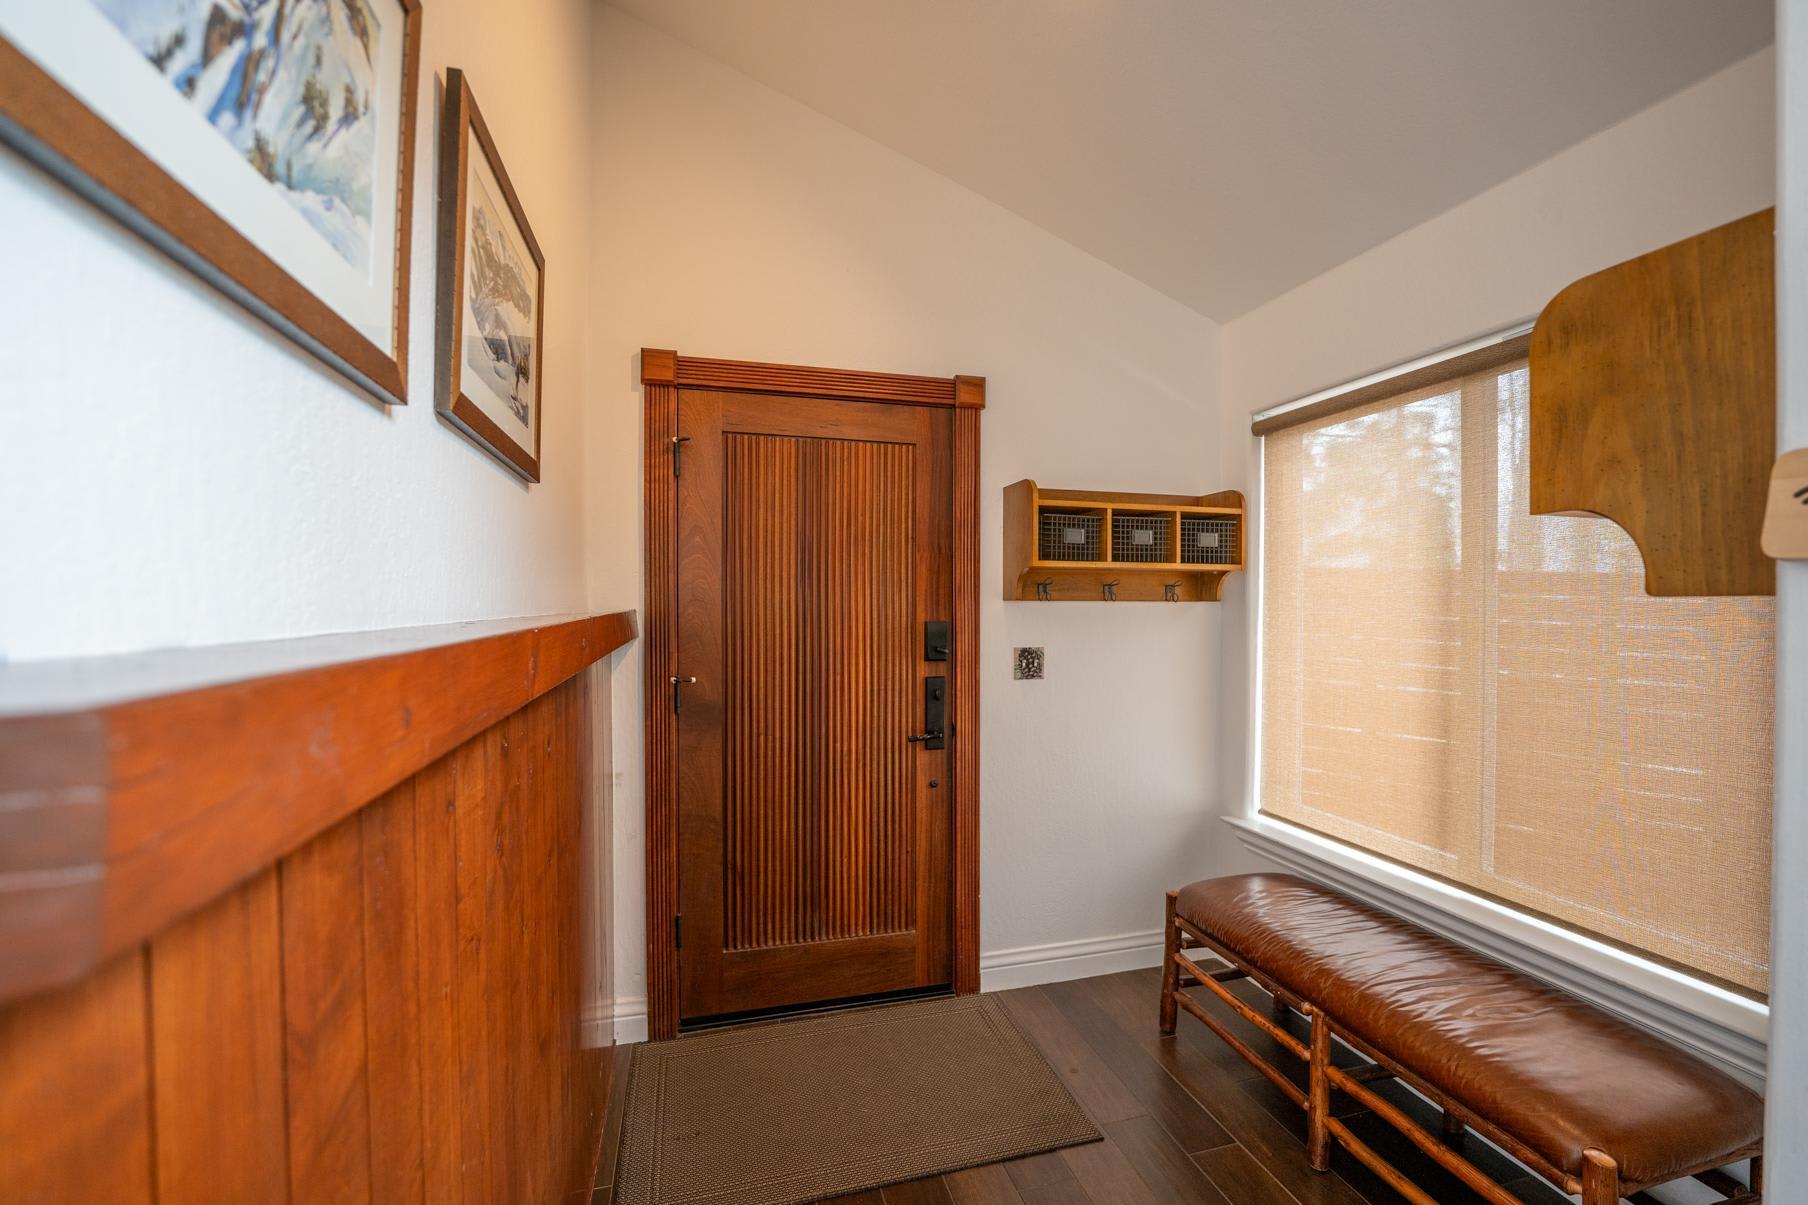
935,640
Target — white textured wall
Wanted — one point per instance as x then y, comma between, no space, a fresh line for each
1700,158
173,472
1786,1115
734,222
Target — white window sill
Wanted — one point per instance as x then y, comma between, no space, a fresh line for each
1720,1025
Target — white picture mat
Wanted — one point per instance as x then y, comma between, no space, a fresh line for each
479,174
79,48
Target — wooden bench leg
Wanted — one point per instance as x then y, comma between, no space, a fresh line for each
1170,970
1757,1174
1453,1126
1318,1095
1600,1179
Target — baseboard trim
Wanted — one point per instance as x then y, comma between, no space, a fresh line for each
1058,961
626,1020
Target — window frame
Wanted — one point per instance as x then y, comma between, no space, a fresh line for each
1721,1025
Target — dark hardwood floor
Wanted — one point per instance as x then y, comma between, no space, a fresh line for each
1185,1120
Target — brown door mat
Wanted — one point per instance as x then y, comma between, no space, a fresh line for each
799,1110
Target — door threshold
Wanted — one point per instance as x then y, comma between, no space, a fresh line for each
791,1012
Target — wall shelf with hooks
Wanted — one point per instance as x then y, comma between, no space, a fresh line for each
1093,546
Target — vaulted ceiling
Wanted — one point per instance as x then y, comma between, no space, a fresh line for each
1223,151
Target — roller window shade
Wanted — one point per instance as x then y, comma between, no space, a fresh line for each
1491,697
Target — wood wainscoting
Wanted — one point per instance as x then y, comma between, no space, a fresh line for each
377,998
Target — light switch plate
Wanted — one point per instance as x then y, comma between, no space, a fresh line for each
1029,664
1785,535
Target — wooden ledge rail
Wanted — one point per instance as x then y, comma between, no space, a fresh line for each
134,789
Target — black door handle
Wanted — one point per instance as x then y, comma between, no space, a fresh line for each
935,712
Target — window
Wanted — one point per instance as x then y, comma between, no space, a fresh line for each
1491,697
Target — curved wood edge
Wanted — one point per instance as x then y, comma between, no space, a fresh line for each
664,367
1653,404
119,816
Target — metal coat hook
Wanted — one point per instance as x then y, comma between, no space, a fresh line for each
1171,591
1044,590
1110,589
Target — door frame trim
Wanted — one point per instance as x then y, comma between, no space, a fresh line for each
662,374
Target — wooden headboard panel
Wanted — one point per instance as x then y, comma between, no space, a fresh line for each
301,921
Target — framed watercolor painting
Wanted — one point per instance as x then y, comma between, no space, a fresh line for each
268,145
492,286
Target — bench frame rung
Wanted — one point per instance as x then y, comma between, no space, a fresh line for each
1599,1184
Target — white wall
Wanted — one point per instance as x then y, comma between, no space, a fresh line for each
1786,1116
173,472
734,222
1700,158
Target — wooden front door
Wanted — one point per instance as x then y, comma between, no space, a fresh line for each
814,544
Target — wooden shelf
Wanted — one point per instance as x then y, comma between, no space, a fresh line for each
1158,524
1654,404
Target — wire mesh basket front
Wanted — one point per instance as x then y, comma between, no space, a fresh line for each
1139,537
1209,540
1068,537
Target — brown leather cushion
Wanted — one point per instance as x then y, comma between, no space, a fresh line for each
1557,1074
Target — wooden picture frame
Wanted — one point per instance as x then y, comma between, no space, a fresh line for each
56,130
462,125
663,374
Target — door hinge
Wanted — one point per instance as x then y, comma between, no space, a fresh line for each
678,932
678,442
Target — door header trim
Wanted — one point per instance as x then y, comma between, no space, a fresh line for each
663,367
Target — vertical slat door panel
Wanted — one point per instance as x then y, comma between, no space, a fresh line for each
216,1014
812,547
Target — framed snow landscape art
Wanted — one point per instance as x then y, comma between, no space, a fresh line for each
268,145
492,283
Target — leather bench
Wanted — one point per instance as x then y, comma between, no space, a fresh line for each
1595,1105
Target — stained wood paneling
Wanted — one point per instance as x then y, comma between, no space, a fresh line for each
112,795
216,1017
819,795
323,1018
389,1014
443,1138
75,1110
394,1010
